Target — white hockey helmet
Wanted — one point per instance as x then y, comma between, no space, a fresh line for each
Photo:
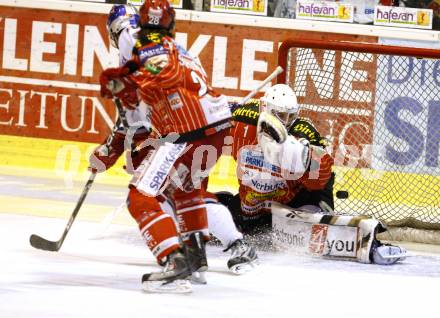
121,16
280,100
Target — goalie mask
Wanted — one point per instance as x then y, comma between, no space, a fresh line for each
280,101
157,14
119,18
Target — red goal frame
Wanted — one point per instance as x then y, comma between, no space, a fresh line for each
361,47
357,47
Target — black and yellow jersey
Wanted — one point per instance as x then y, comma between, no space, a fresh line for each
301,127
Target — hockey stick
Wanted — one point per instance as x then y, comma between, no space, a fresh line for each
54,246
274,74
121,113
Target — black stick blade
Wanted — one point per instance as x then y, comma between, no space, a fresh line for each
43,244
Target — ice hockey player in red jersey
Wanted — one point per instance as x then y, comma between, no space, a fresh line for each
282,159
123,26
195,120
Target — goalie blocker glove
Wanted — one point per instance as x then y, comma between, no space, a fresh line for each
279,148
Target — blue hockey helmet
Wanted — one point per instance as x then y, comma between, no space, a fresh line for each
121,16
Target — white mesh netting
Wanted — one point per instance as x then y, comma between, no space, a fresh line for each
381,115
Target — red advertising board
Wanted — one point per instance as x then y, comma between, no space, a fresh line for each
51,61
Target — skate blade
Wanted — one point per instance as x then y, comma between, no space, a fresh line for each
199,278
179,286
400,255
240,269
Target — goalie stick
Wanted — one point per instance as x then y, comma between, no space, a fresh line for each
268,79
41,243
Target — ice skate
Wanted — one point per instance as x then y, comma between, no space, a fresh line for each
243,257
197,258
174,278
387,254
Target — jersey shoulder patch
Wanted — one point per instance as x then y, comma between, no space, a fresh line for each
153,57
303,128
247,113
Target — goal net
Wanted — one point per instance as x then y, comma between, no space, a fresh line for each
379,107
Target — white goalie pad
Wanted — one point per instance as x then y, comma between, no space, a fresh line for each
323,235
295,155
280,149
150,177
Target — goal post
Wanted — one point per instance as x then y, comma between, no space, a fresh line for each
379,107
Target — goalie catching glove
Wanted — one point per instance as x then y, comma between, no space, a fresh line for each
333,236
279,148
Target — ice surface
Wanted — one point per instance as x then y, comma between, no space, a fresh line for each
97,273
100,277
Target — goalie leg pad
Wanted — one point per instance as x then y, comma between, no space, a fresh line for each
324,235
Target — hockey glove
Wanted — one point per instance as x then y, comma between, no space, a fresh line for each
126,93
295,156
271,126
108,87
140,147
105,156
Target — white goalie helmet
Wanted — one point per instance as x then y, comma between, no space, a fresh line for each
280,100
121,16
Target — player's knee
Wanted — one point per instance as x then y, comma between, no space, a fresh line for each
140,206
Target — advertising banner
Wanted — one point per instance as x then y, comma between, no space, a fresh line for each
403,17
175,3
50,65
363,10
253,7
407,121
325,11
50,62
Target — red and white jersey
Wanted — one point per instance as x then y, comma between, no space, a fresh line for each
175,85
261,182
